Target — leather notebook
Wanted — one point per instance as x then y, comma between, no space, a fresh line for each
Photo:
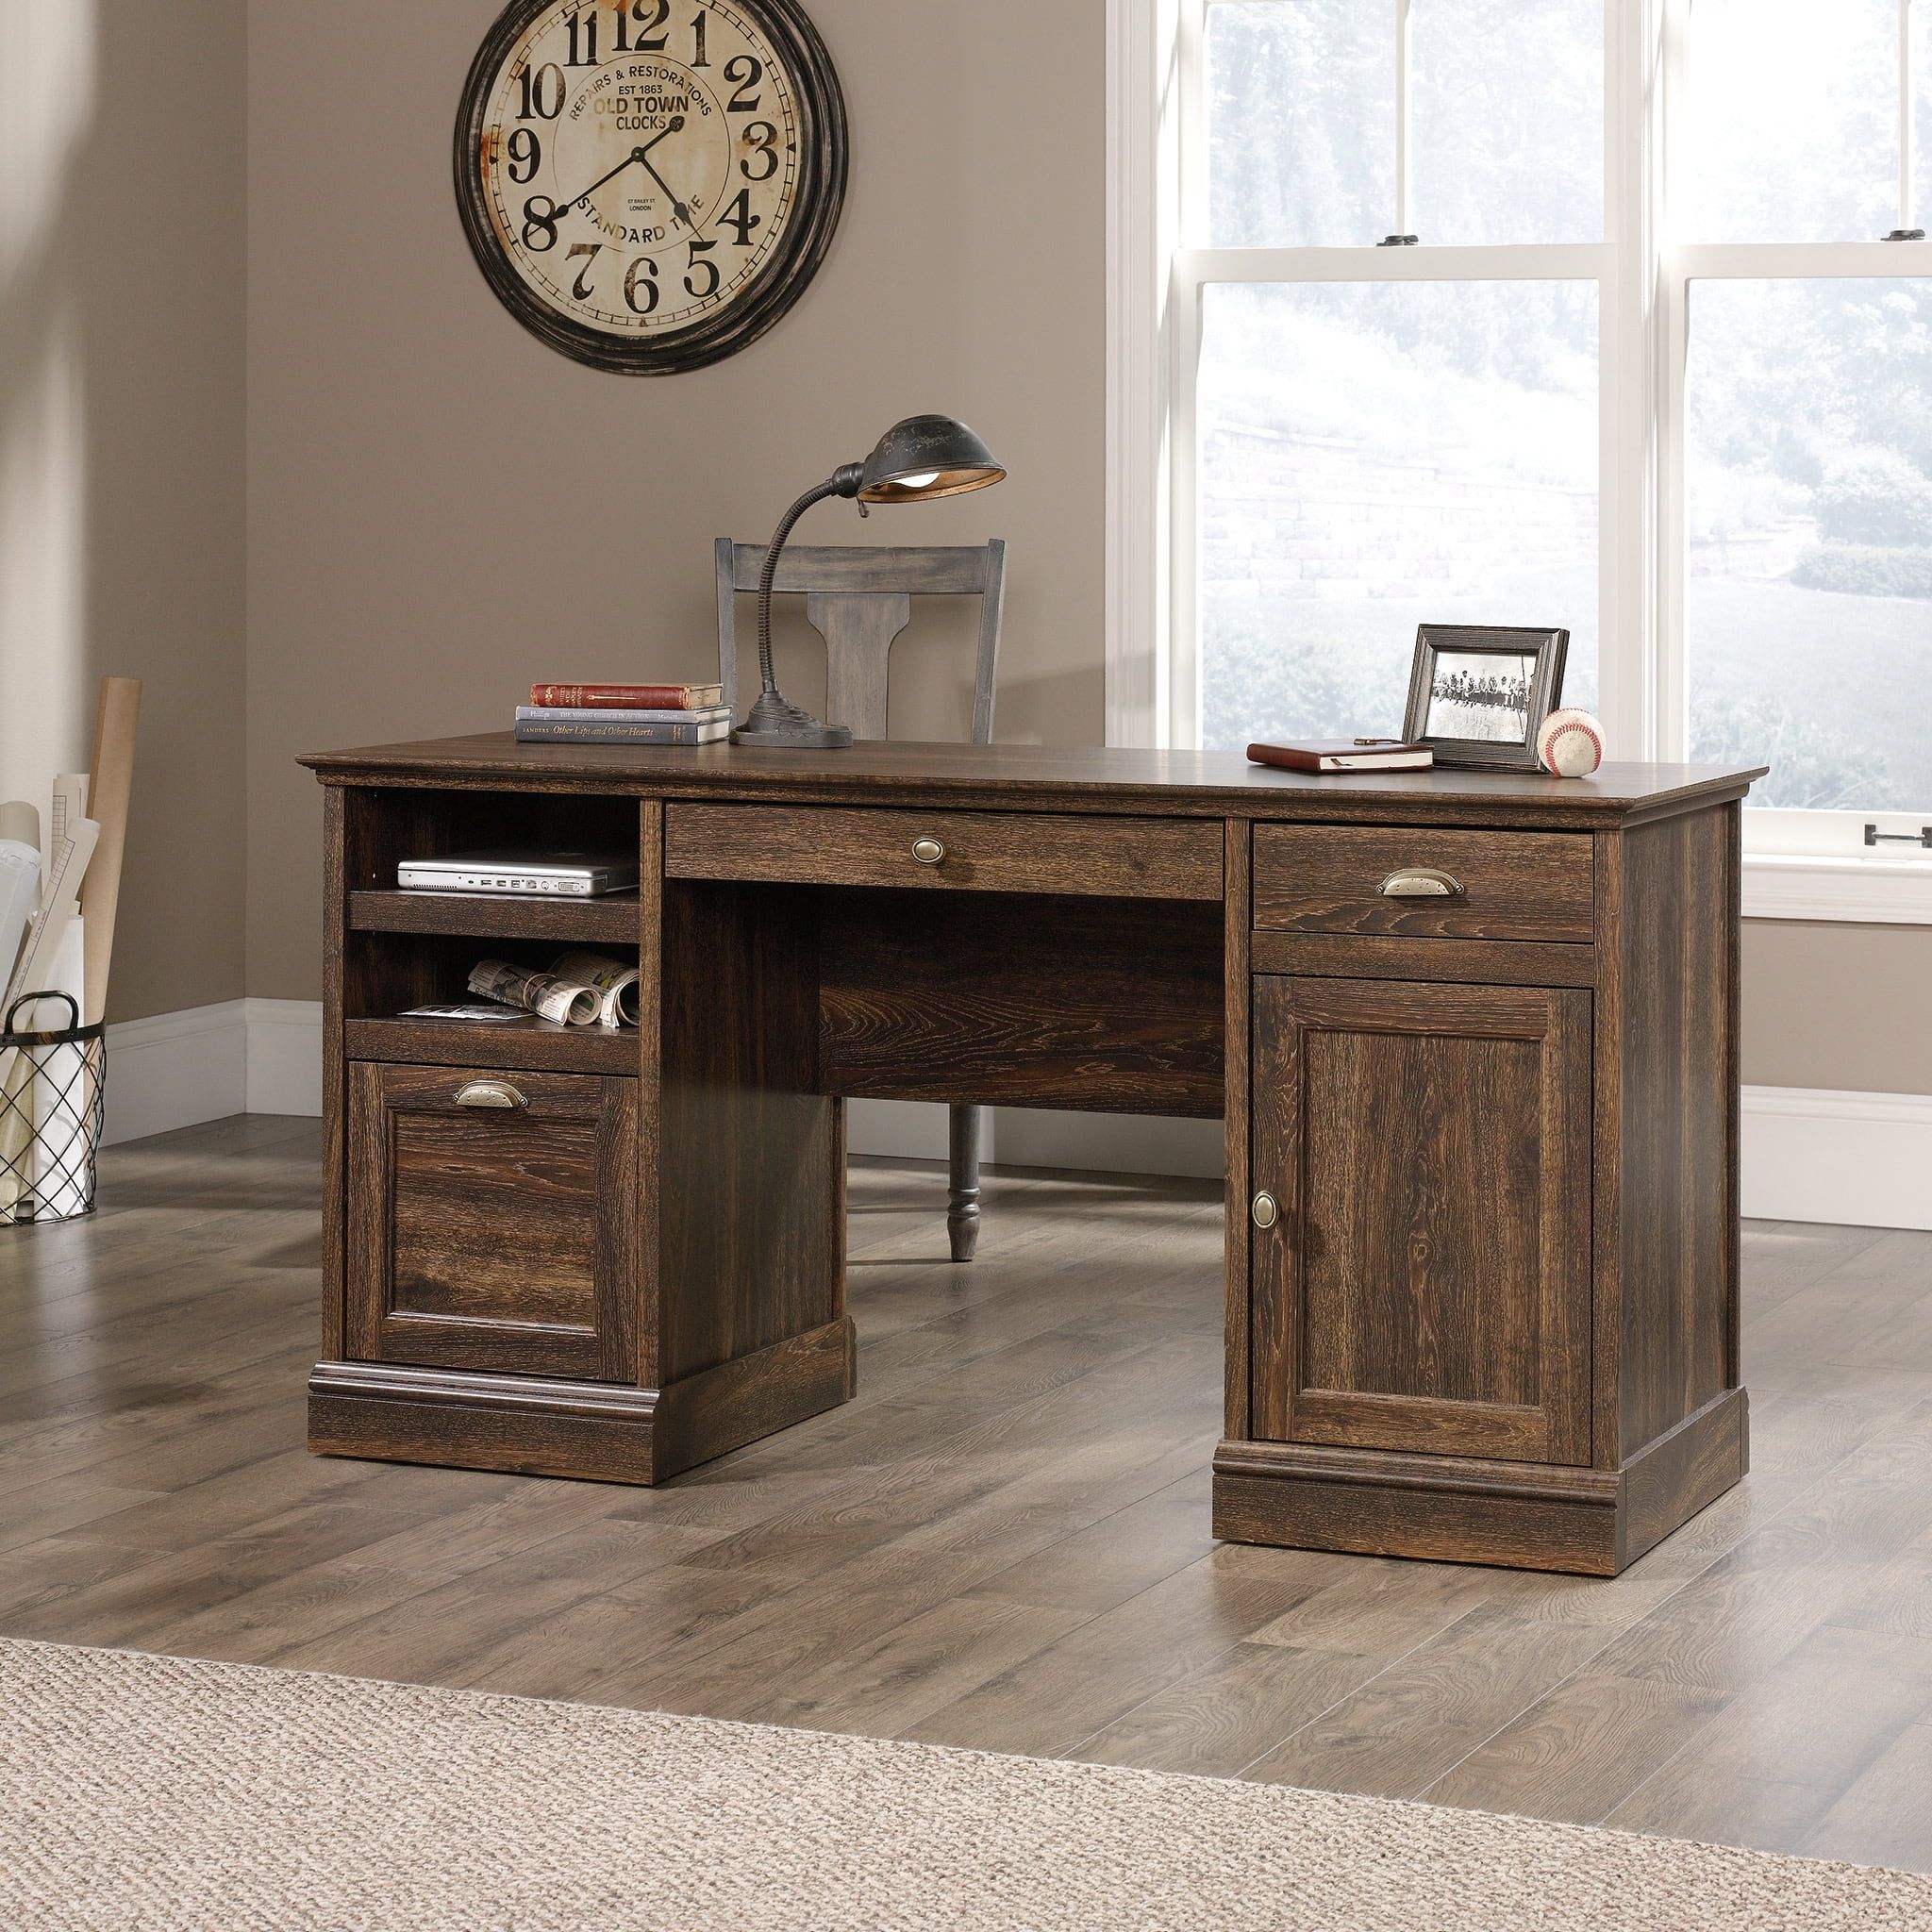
1344,755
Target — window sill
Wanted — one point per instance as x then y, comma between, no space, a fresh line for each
1860,892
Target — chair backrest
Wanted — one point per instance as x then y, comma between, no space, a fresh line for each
859,599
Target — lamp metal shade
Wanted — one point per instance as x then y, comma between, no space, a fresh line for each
922,457
926,457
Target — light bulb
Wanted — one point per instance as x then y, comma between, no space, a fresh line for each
925,480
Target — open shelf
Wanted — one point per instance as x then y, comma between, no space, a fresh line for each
539,1045
597,921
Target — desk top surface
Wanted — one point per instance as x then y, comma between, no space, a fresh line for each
1023,777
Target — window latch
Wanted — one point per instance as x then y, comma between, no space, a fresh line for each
1922,836
1906,235
1398,241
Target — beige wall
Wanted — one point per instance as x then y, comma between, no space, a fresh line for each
122,335
1837,1006
441,508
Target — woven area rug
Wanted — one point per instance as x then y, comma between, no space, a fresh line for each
147,1794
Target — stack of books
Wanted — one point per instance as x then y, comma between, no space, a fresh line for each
625,714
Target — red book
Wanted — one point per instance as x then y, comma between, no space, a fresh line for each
1344,755
628,697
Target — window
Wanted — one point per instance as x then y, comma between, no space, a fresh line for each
1535,311
1808,457
1376,455
1805,432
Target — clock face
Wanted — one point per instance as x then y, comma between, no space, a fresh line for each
650,184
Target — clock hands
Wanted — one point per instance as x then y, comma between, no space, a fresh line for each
639,154
673,126
643,153
678,207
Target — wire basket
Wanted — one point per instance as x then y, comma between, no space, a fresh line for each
53,1101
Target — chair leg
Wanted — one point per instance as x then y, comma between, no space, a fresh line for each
962,1206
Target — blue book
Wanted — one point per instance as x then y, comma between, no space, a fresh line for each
559,714
611,728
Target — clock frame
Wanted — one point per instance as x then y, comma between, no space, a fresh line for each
812,124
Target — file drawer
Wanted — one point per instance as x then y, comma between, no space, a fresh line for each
489,1224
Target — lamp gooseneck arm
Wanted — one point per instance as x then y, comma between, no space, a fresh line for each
774,720
768,578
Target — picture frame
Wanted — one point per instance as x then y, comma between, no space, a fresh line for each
1479,693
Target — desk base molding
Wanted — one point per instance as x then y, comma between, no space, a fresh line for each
1461,1509
594,1432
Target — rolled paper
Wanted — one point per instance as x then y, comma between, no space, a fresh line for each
562,1002
110,785
614,983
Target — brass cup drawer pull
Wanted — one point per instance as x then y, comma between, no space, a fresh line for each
489,1093
929,851
1265,1212
1419,882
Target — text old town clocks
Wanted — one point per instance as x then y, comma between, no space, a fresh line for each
650,184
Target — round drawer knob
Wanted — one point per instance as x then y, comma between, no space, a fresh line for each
929,851
1266,1210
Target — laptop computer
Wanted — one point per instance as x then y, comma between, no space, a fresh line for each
558,875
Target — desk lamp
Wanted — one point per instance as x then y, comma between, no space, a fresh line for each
916,460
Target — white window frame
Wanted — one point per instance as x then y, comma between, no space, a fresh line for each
1798,864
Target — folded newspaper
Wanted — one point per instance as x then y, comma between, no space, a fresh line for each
581,989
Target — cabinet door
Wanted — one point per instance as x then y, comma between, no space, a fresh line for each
496,1237
1427,1285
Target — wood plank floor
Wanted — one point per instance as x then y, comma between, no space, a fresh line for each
1004,1542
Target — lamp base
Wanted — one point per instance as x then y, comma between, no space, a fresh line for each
776,723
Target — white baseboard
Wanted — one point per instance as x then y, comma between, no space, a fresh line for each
1039,1136
285,1057
1808,1154
262,1055
177,1070
903,1129
1857,1159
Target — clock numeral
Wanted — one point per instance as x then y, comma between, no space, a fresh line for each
526,152
763,139
641,285
540,215
652,45
538,88
700,29
746,70
712,279
581,286
739,216
587,31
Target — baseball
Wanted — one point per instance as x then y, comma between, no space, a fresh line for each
1570,744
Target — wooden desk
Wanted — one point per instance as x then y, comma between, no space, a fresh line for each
1486,1309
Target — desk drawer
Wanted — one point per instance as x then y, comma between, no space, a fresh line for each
489,1220
1462,885
958,851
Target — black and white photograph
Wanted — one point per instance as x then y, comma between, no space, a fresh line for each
1483,698
1479,693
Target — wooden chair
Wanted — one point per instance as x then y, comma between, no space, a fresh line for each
859,599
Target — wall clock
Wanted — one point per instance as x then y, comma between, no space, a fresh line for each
649,185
